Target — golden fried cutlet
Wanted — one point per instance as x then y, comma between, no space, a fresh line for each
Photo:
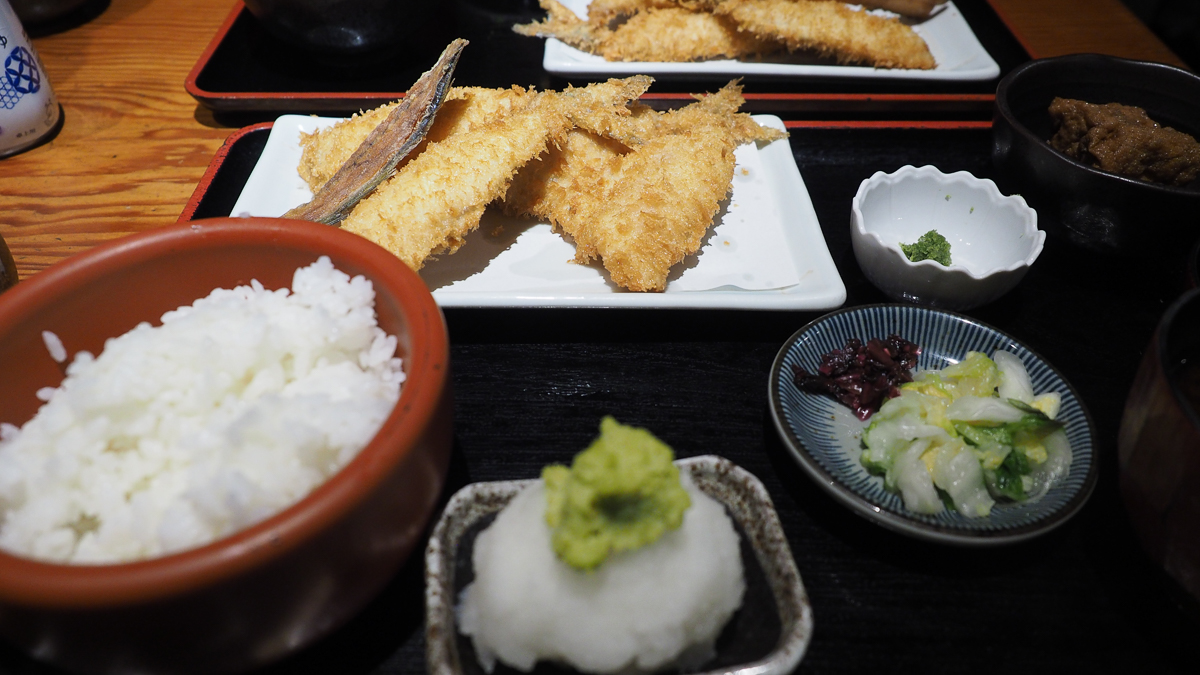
718,108
674,34
324,151
833,30
438,197
606,12
640,210
562,23
668,34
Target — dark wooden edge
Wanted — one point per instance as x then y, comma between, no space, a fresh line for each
214,169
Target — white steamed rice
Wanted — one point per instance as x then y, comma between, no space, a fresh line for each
641,610
233,409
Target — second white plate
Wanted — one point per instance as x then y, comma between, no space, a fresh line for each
959,56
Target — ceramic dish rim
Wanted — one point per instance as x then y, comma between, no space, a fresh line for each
901,523
1016,203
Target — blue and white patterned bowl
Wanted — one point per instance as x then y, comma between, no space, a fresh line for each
824,436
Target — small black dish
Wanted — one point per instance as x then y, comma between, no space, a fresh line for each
342,26
34,12
1096,211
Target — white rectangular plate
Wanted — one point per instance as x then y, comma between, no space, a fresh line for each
764,251
953,44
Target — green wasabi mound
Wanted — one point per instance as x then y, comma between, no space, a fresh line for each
931,246
621,493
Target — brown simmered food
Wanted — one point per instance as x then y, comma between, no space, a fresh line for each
1122,139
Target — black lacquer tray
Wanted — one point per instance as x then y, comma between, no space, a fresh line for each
531,385
245,69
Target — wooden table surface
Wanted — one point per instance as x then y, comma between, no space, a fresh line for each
134,144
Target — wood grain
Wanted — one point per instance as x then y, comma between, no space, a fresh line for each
1056,27
134,144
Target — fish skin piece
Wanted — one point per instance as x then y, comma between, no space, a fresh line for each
640,210
671,34
384,147
430,205
325,150
833,30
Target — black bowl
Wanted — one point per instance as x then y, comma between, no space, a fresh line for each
342,27
1158,445
1099,212
34,12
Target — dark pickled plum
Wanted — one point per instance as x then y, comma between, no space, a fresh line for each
862,376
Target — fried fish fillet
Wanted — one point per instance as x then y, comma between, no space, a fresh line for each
667,34
324,151
833,30
432,202
693,30
720,108
386,146
640,210
605,12
675,34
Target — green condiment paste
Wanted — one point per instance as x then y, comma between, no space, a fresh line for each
931,246
621,493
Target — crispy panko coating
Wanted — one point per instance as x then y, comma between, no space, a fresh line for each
833,30
324,151
634,188
675,34
694,30
438,197
562,23
667,34
605,12
640,210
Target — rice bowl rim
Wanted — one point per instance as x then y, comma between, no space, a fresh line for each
35,583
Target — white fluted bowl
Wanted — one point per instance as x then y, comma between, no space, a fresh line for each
994,238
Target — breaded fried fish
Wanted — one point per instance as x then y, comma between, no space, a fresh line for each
833,30
695,30
605,12
640,210
667,34
325,150
438,197
385,146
